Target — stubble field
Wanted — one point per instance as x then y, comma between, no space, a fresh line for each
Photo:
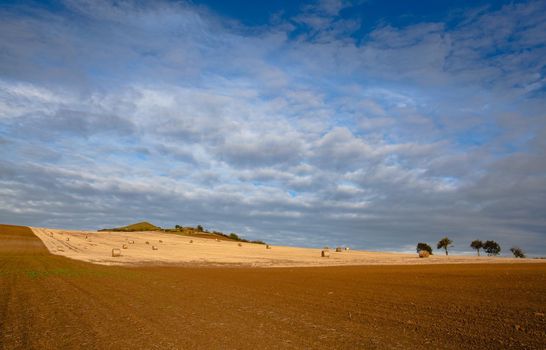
174,249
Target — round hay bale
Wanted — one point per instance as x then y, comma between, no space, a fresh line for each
424,254
154,247
124,246
325,254
131,242
67,238
160,241
147,242
116,252
240,244
191,240
338,249
267,246
346,249
217,240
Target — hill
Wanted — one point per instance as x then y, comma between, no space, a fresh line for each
139,226
202,233
186,231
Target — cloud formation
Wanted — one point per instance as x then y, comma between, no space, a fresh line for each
297,132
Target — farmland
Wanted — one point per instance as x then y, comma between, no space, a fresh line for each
176,249
50,301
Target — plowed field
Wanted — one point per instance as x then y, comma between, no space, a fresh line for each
52,302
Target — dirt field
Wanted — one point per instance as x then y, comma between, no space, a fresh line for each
96,247
52,302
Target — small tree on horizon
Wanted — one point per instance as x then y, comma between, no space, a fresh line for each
424,246
518,252
491,248
477,244
199,228
234,236
444,243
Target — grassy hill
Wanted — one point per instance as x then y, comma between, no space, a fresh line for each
139,226
186,231
200,232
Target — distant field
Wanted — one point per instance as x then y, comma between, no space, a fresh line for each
52,302
180,249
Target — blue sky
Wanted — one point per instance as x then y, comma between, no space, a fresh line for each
369,13
363,123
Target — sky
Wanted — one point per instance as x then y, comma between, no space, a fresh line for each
371,124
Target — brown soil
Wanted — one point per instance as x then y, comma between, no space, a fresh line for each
52,302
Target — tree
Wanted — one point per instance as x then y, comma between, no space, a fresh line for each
199,228
444,243
423,246
518,252
476,244
178,227
234,236
491,248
